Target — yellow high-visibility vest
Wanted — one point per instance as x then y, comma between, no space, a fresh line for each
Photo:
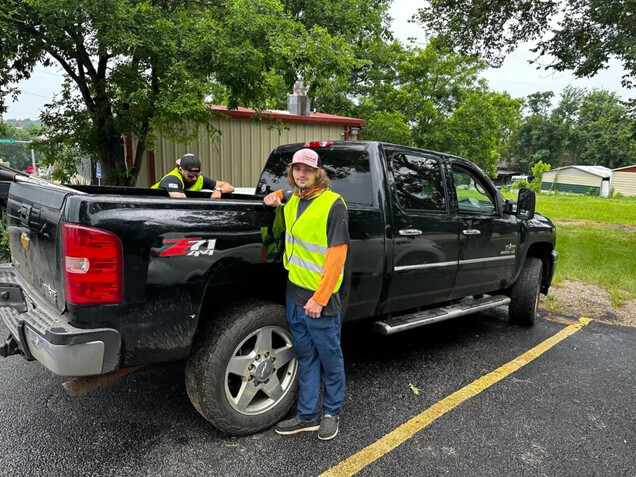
306,240
197,186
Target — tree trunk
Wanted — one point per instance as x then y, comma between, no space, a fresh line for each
113,162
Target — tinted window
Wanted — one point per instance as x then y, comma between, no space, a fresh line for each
418,182
348,172
472,195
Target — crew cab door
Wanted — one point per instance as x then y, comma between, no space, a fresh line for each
424,233
488,238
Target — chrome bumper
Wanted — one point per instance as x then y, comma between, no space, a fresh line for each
45,335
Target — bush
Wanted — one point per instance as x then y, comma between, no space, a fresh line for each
5,252
537,171
520,184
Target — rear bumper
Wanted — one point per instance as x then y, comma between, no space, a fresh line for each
45,335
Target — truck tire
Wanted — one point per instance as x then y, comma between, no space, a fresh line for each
524,294
242,372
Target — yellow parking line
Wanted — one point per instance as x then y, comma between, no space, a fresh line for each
390,441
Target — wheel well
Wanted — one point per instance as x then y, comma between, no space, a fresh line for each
542,250
230,286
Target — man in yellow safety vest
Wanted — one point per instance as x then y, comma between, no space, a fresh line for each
187,177
316,243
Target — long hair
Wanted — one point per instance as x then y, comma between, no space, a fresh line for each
322,180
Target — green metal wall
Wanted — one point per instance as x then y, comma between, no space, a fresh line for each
574,188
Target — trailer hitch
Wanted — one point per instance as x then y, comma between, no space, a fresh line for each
9,348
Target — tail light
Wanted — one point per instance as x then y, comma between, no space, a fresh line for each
318,144
93,266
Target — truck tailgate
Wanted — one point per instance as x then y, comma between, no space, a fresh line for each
34,217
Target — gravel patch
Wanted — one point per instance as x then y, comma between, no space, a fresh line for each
578,299
623,227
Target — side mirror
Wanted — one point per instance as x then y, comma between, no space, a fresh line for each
526,204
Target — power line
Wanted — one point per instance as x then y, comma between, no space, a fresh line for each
48,72
34,94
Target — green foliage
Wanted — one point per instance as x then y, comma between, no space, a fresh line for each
539,103
537,172
592,128
5,251
479,128
18,155
390,127
521,184
428,97
142,66
580,35
605,133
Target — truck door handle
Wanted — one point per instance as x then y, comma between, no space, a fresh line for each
410,232
471,232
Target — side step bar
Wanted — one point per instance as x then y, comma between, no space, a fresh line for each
421,318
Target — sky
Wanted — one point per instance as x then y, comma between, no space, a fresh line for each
515,76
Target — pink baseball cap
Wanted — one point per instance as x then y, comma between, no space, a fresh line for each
308,157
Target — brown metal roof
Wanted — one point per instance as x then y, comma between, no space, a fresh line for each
285,116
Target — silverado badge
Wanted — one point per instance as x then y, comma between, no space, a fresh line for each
510,249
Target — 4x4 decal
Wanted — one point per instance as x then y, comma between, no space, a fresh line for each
192,247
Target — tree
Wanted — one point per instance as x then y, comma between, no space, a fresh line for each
579,35
480,127
17,154
605,131
431,98
389,126
539,103
538,138
565,119
133,67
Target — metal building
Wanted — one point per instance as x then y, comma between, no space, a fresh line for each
238,153
579,180
624,180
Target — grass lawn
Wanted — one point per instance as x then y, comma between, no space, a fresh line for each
581,207
598,251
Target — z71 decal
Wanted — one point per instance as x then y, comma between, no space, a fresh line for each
192,247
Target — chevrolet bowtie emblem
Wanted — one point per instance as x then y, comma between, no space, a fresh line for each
25,240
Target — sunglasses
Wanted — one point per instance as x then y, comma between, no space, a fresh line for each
193,174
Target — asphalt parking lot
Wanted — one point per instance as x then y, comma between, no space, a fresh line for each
568,411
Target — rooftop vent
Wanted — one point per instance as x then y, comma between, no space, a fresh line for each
298,103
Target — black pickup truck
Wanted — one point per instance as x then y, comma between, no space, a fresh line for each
107,278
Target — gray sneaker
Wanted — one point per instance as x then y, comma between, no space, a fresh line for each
296,425
328,427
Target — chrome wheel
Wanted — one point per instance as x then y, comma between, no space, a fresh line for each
261,371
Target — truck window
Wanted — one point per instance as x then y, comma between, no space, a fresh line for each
348,172
418,182
472,195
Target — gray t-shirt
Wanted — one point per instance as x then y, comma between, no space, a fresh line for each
337,234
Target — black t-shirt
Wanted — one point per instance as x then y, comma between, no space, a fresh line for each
172,183
337,234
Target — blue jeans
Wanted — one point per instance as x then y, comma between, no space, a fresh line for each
317,347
